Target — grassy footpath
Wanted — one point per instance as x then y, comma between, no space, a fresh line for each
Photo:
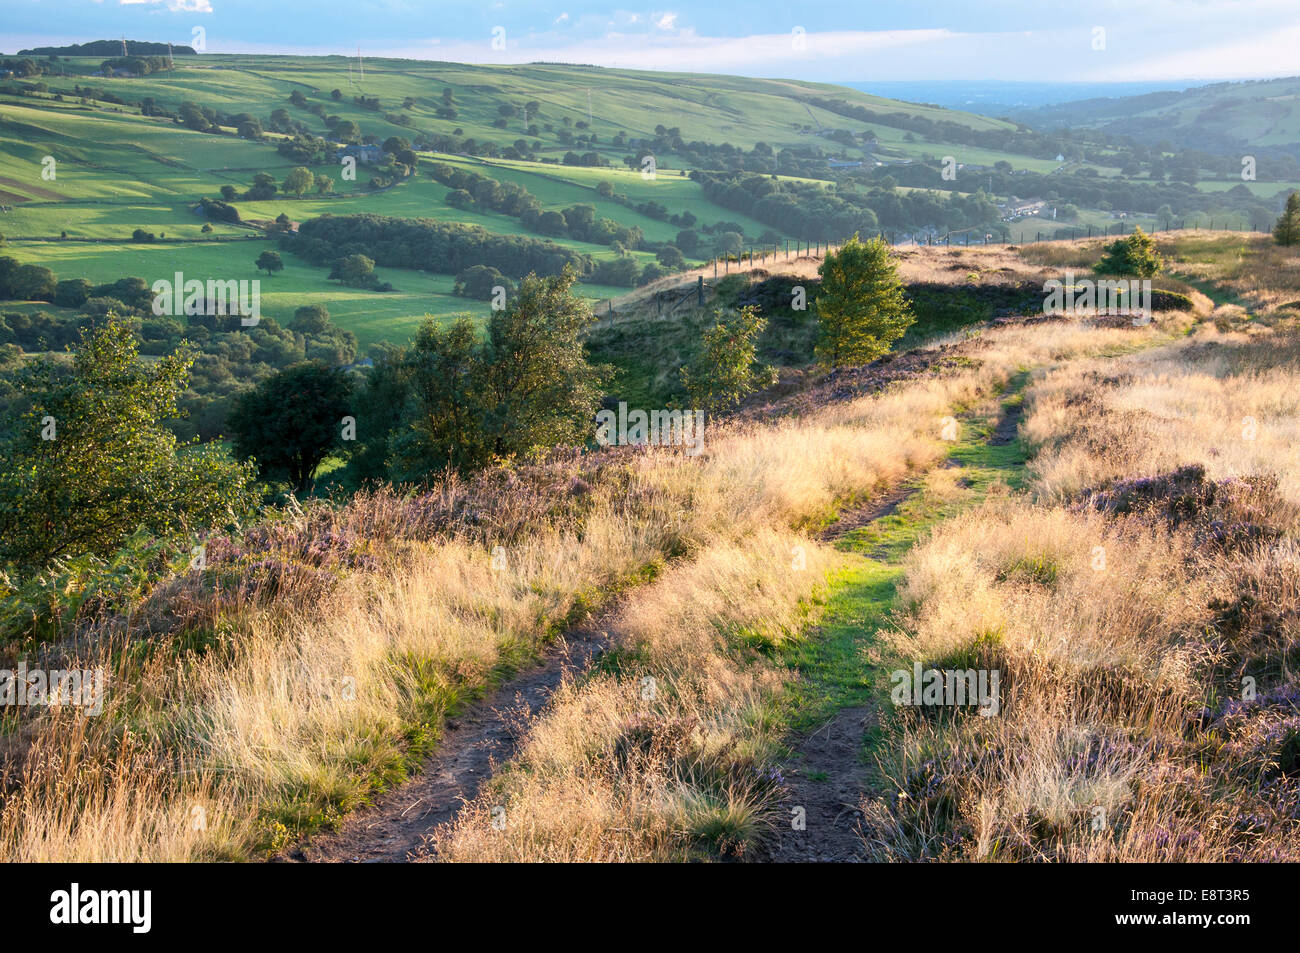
834,665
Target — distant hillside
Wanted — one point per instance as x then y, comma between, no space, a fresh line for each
1224,118
110,48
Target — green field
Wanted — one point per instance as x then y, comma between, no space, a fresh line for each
117,170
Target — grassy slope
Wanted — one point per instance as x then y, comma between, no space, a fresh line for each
118,171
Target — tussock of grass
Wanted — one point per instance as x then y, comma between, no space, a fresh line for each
1152,574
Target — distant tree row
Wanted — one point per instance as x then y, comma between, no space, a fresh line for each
471,190
427,245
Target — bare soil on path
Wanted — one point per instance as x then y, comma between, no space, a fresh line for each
395,827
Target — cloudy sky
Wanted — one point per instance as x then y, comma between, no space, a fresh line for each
851,40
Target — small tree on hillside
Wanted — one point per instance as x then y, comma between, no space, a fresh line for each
529,385
291,421
91,462
270,262
861,307
1287,230
543,389
299,181
310,319
726,367
1133,256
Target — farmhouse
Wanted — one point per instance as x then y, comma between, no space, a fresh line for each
366,155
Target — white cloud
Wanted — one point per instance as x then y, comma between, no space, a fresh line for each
175,6
667,22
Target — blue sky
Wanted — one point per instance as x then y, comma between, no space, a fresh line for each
1024,40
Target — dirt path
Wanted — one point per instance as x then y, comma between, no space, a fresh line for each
828,772
394,828
826,778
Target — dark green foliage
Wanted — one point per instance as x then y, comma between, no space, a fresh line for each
291,421
1132,256
479,282
861,307
442,247
270,262
726,367
527,386
90,462
1287,230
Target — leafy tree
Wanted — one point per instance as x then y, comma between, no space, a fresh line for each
528,385
72,292
378,408
1134,255
91,462
263,187
730,243
1287,230
480,282
445,421
726,367
347,131
324,183
671,257
289,423
860,304
270,262
310,319
542,390
32,283
650,273
299,181
353,269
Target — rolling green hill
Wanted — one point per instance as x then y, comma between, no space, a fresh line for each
1229,118
117,170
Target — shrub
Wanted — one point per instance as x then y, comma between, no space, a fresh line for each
1134,256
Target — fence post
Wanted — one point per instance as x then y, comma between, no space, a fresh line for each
699,289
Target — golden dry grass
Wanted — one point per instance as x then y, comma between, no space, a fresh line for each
1143,609
242,715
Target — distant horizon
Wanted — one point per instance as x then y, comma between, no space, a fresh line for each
1170,83
1021,41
